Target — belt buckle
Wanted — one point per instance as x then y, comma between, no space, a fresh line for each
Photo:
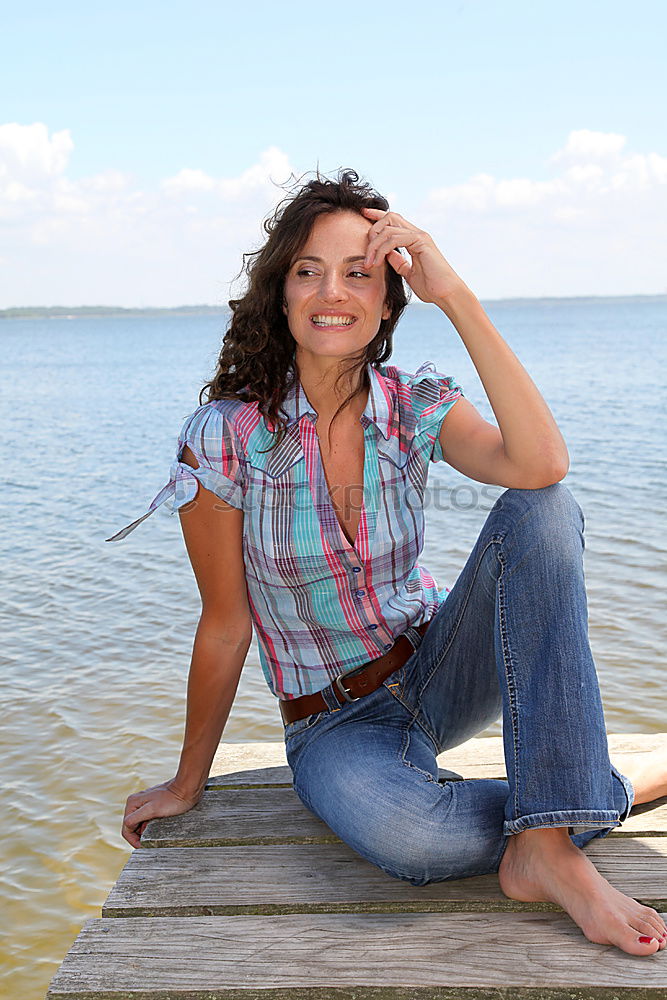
343,690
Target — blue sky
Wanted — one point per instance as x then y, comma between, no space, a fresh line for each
420,99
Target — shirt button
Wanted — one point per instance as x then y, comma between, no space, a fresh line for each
388,645
361,593
372,626
356,569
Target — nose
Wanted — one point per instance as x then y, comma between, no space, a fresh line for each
332,287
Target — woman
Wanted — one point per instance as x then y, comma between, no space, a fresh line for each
299,485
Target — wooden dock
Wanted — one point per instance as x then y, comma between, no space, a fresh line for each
249,895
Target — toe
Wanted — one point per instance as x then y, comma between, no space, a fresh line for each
644,925
650,918
645,945
645,929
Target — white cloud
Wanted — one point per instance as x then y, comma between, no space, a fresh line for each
595,224
103,239
599,226
186,181
258,181
587,145
28,150
483,193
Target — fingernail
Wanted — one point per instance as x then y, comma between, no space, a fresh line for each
645,940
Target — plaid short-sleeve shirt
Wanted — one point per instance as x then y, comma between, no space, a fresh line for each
320,605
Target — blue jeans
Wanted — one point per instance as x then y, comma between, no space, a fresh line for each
511,639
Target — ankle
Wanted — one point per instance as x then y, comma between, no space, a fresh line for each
543,838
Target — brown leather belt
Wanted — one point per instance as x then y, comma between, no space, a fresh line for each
352,686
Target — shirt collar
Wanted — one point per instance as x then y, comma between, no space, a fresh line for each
378,408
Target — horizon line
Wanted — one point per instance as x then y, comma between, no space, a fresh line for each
208,307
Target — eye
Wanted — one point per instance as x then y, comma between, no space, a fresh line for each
304,271
359,274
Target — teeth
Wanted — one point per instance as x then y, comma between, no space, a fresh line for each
333,320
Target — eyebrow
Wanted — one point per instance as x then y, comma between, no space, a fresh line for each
319,260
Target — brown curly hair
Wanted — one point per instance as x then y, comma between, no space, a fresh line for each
257,359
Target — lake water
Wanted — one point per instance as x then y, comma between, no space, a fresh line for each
97,636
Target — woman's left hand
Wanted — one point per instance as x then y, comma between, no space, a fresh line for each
429,275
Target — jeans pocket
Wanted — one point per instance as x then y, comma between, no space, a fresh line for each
300,725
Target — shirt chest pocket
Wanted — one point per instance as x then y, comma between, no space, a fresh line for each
277,482
282,531
403,470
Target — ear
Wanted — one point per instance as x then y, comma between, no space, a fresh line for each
386,311
285,305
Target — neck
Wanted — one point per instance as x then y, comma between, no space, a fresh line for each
318,380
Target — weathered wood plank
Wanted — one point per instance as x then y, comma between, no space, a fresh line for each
333,878
266,764
240,816
275,815
408,955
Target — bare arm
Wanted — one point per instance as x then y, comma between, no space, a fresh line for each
526,450
213,532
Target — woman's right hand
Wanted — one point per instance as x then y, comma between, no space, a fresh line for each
160,800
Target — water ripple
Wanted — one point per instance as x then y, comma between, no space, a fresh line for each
98,636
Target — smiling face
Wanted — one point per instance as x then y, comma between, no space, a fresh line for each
334,305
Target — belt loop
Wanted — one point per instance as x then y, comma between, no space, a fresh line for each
413,636
332,702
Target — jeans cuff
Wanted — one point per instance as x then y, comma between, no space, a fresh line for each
587,819
628,789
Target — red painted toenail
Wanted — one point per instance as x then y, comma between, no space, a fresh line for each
645,940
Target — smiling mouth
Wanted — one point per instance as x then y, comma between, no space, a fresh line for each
324,321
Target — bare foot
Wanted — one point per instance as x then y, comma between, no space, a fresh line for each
544,865
647,772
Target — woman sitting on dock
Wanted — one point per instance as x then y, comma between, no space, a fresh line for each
300,483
